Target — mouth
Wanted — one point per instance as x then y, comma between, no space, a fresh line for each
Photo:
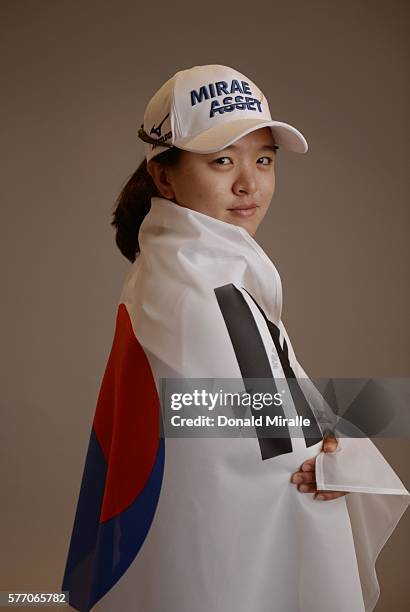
245,210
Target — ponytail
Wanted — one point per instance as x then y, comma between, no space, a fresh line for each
134,203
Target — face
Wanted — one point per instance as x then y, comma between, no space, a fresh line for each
235,185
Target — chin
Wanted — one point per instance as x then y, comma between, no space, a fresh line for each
250,228
251,231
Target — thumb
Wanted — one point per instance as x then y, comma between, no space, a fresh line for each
329,442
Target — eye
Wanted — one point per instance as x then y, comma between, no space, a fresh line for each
219,162
268,160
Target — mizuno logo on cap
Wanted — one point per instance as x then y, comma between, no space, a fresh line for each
157,130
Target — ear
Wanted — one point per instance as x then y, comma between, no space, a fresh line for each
161,177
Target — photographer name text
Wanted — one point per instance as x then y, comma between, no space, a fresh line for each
252,421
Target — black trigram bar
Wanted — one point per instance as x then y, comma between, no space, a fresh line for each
254,363
252,360
311,432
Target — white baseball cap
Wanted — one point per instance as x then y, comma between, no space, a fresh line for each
207,108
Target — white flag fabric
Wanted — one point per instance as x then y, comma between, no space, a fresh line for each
228,531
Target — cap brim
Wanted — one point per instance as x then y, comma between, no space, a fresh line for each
224,134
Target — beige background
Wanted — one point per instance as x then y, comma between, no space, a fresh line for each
76,77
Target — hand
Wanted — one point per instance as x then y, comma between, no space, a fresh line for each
305,478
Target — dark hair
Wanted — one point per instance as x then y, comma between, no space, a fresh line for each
134,203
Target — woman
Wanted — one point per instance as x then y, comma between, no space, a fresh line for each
207,518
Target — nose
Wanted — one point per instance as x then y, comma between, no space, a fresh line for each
245,182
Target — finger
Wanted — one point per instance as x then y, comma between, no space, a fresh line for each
308,465
303,477
329,444
328,495
307,488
